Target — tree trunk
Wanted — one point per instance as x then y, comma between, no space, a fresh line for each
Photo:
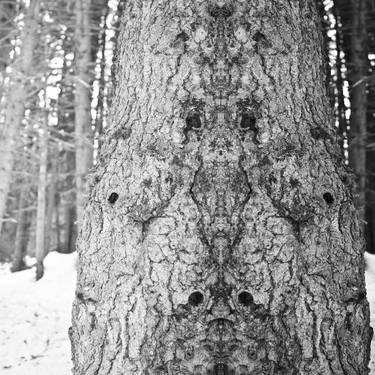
51,207
220,235
23,224
83,79
16,96
7,26
40,248
357,73
370,196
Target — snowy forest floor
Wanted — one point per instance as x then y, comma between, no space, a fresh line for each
35,317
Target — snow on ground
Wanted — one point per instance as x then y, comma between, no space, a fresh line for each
35,317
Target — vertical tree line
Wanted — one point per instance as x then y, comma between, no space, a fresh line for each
353,63
55,83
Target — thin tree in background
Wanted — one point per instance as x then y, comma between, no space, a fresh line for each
82,100
16,96
40,250
23,224
357,73
370,194
352,36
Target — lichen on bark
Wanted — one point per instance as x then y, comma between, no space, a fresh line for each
232,246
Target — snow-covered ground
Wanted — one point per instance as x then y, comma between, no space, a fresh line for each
35,316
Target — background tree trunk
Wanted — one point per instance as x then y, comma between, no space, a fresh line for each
357,73
16,96
23,224
7,29
82,101
40,249
353,25
220,235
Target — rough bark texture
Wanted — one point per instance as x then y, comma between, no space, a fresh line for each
220,236
82,101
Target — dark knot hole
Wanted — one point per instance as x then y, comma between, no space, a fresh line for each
245,299
193,121
248,122
328,198
182,36
113,198
195,298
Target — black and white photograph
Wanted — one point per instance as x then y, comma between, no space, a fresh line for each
187,187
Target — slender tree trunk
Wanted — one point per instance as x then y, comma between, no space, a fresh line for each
340,97
102,94
51,207
220,235
40,248
70,229
357,73
370,196
16,96
18,262
7,26
82,101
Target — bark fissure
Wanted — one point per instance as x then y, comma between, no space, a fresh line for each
233,247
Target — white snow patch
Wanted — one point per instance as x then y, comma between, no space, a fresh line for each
35,317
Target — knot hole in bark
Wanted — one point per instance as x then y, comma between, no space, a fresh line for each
182,36
181,39
217,11
248,121
220,369
245,299
195,299
261,41
193,122
113,198
328,198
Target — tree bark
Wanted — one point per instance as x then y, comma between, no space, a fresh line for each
82,102
23,224
16,96
40,248
220,236
51,212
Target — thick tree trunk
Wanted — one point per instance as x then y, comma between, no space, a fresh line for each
14,104
82,101
220,235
